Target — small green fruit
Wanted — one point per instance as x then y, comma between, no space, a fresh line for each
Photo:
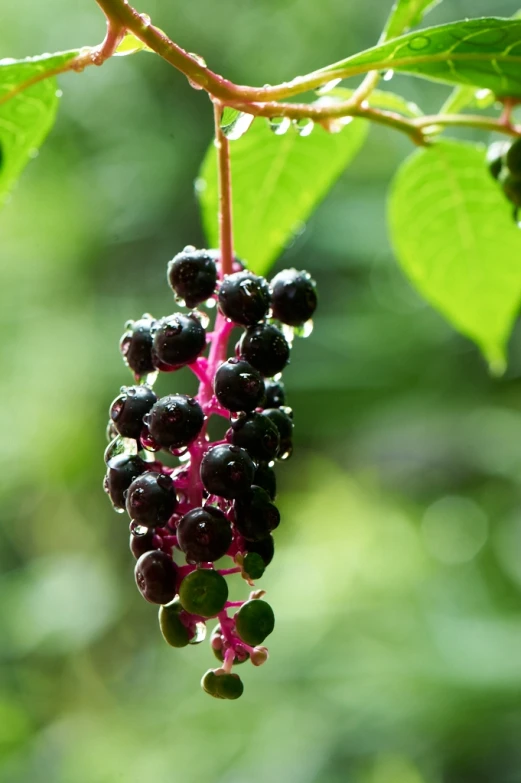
175,633
203,592
253,565
254,621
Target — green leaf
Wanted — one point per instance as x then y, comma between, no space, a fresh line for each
277,182
454,236
26,113
467,98
479,52
405,14
378,99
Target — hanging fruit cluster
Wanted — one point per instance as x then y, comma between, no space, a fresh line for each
218,501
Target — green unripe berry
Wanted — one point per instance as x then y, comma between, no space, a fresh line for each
209,684
513,158
216,643
511,186
175,633
253,565
229,686
254,621
496,157
203,592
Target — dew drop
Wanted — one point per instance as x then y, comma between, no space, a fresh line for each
279,125
304,127
289,333
150,378
388,75
136,529
148,442
185,457
305,329
199,630
239,126
328,86
210,303
194,85
204,318
118,447
199,60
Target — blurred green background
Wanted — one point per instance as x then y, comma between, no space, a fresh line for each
397,581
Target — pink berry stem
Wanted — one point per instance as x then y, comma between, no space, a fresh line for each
229,657
229,604
226,572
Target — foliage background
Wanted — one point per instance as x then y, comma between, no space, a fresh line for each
397,654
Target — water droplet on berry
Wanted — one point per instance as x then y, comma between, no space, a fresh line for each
137,530
111,432
305,329
304,127
288,332
210,303
185,456
151,378
129,324
148,442
199,630
120,446
287,454
238,127
204,318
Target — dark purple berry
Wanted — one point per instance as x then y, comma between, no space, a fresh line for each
275,395
513,158
294,297
257,434
128,409
265,477
156,577
265,348
136,345
139,544
238,386
178,339
121,472
255,514
227,471
282,419
244,298
265,548
192,275
204,534
175,421
151,499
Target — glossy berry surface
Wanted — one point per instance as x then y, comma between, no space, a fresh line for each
257,434
129,408
139,544
294,297
238,386
192,275
265,548
255,515
265,348
254,621
203,592
175,421
244,298
281,418
227,471
174,631
151,499
274,394
266,478
156,576
121,472
204,534
178,339
136,345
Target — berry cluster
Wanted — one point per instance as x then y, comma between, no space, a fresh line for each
218,501
504,162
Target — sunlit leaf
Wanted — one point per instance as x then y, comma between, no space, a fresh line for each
406,14
27,113
454,236
479,52
378,99
277,182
